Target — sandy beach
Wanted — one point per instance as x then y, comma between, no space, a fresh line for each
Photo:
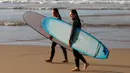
31,59
27,54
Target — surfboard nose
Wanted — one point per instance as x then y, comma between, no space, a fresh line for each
103,53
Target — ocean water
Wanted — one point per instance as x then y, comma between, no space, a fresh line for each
112,37
88,16
25,35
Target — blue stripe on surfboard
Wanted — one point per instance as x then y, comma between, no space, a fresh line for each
46,26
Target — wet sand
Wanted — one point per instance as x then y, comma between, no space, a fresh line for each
31,59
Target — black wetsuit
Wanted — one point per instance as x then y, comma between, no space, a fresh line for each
77,55
76,24
53,48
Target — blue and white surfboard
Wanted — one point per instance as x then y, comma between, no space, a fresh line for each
85,43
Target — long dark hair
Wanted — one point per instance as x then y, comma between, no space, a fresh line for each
57,11
74,11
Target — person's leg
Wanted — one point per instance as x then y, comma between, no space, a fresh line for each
85,63
52,52
76,55
65,54
82,58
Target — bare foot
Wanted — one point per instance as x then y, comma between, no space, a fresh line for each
65,61
85,65
76,69
48,60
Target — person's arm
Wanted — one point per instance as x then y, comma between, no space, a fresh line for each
72,34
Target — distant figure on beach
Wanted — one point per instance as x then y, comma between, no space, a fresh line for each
76,24
55,13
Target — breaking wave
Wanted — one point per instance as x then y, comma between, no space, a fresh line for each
22,23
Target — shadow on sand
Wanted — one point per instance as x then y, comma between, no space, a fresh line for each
62,63
98,71
102,71
92,64
111,65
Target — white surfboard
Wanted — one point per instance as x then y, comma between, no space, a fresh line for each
84,42
34,20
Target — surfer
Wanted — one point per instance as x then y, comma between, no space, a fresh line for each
76,24
55,13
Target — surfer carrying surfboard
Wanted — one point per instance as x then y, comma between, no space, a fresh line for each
55,13
76,24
